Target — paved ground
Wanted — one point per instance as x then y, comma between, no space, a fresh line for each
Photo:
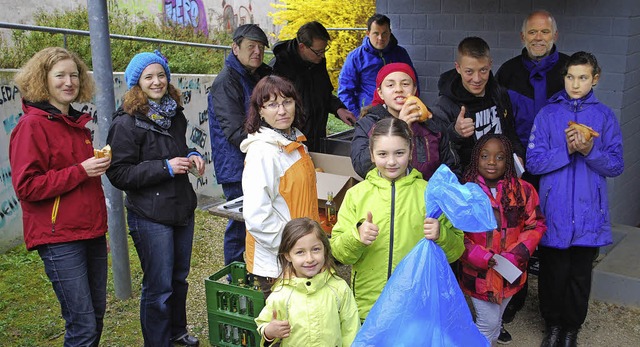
606,325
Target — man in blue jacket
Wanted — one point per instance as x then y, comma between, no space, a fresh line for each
357,80
228,102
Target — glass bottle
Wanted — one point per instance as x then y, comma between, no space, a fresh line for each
330,210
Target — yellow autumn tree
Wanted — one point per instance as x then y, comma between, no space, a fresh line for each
292,14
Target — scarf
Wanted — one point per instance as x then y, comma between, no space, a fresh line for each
538,76
162,113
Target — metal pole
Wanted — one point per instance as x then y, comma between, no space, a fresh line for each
105,105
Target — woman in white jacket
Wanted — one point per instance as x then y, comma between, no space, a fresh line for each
279,181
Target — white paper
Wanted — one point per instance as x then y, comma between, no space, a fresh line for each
505,268
234,205
519,167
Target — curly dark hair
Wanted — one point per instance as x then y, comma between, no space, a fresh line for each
510,175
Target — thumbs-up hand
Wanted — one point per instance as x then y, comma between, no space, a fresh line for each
277,329
367,230
431,229
464,126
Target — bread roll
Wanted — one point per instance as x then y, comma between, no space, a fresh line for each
424,111
586,131
102,153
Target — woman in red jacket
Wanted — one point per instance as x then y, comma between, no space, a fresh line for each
57,180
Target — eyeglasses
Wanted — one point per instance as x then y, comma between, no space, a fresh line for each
274,106
320,53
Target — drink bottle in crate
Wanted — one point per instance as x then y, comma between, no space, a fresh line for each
232,307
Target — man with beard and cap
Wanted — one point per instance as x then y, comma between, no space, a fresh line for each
471,103
228,103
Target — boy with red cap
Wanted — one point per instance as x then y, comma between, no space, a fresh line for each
395,82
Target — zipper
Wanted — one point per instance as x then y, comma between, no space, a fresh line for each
454,154
54,213
426,139
353,282
391,227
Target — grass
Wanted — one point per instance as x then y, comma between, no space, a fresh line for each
335,125
30,313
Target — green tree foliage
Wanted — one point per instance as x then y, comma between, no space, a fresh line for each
183,59
292,14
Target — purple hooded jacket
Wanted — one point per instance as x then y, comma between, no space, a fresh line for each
573,188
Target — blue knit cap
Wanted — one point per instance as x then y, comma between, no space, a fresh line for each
140,62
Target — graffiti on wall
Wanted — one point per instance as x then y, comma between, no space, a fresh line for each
234,17
187,13
194,90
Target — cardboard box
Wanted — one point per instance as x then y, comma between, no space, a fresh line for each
338,177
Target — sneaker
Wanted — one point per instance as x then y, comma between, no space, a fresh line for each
505,337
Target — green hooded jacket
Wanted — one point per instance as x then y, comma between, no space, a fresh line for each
398,209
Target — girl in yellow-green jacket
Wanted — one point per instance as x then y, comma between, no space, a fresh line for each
310,305
382,218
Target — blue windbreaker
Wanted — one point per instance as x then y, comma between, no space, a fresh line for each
573,188
357,80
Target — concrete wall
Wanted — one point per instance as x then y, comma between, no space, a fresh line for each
194,88
432,29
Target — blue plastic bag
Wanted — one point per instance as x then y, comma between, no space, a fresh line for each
421,305
465,205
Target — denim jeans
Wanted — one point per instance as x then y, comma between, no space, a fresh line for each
165,256
78,273
235,234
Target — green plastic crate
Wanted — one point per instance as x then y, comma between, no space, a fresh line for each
231,309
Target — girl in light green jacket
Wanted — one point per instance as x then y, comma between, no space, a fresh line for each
309,305
382,218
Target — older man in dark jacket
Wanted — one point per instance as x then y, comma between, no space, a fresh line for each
302,61
228,104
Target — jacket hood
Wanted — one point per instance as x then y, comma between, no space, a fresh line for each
233,62
374,177
45,109
366,43
563,98
305,285
269,136
450,85
286,52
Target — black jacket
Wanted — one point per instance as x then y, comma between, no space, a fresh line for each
314,88
431,147
139,151
451,98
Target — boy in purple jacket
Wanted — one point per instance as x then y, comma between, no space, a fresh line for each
573,195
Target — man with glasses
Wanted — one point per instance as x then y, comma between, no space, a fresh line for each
302,61
228,102
357,81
